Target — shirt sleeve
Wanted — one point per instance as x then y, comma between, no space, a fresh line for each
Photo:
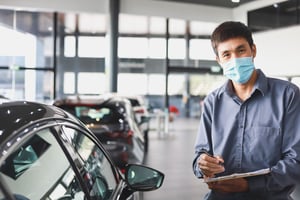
202,143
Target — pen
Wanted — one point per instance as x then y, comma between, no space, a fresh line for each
220,162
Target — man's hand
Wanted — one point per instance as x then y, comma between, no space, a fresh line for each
228,186
210,165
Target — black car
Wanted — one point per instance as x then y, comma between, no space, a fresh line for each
46,153
112,120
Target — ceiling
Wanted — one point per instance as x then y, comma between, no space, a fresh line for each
218,3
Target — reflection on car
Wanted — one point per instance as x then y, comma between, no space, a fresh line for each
112,120
46,153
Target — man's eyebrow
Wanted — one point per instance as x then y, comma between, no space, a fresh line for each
242,46
225,51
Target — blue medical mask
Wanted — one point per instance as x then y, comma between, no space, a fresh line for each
239,69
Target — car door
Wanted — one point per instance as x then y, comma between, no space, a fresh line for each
58,162
94,167
38,168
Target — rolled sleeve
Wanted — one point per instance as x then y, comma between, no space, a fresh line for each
196,169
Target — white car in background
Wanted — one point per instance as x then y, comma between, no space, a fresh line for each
140,108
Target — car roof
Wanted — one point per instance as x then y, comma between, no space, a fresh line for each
92,100
15,115
139,99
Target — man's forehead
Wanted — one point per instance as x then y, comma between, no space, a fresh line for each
232,44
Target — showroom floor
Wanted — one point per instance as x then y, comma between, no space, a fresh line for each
173,155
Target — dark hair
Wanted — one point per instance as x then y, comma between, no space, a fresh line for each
228,30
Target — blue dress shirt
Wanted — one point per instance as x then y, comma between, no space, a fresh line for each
260,132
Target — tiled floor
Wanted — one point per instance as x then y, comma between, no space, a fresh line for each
173,155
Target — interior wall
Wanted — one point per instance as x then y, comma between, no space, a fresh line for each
278,51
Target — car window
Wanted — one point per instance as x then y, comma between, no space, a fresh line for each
134,102
96,170
23,159
39,169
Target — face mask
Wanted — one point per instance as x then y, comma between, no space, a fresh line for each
238,69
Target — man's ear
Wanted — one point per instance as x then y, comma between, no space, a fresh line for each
253,50
217,59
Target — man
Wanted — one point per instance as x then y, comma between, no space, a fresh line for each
250,123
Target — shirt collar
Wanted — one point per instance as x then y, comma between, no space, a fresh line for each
261,85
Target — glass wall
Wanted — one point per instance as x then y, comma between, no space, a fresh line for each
29,70
142,50
82,49
52,55
26,55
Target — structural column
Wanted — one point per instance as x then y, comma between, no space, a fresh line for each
186,95
111,66
166,111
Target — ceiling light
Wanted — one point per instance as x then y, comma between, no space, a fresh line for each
235,1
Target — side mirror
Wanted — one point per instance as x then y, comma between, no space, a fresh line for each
142,178
144,120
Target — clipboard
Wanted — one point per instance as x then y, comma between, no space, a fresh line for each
239,175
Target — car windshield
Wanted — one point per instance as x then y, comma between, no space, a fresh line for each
104,115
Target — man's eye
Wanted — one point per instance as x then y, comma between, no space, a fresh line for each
226,55
241,50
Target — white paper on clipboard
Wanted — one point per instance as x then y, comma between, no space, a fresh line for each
239,175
